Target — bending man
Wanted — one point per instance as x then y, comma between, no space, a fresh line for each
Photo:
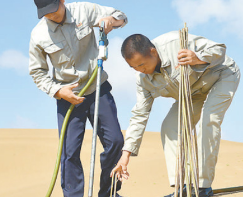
214,78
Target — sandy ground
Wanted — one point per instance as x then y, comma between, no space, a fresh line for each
28,158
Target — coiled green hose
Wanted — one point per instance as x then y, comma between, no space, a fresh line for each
63,130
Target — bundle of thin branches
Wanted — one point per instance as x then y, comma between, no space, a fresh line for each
187,157
112,185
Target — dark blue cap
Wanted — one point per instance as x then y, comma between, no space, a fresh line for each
46,6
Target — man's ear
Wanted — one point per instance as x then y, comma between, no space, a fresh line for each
153,52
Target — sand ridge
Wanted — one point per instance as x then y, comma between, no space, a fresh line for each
29,156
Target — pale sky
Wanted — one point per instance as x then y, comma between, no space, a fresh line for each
24,106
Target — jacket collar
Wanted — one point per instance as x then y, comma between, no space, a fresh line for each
150,76
53,26
165,62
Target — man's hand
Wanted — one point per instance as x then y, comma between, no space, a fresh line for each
110,22
67,94
188,57
121,167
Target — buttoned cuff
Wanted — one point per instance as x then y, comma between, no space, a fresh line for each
133,149
201,57
120,16
54,89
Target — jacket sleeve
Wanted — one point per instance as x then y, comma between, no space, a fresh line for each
95,12
138,121
209,51
38,69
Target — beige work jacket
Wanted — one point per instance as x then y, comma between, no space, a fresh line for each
165,83
71,47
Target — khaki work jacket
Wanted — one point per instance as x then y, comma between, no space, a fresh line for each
71,48
166,83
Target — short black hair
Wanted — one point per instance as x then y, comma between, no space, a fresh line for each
136,43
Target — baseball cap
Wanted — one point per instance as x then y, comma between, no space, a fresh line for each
46,6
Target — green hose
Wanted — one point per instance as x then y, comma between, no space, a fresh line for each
64,126
230,189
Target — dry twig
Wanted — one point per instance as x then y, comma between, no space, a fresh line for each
187,156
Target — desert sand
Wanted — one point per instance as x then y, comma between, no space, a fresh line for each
28,158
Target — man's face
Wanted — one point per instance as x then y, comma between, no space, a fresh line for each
144,64
59,15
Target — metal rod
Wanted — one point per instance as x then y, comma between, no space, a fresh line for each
94,138
103,42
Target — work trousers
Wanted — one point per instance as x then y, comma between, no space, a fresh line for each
209,110
109,133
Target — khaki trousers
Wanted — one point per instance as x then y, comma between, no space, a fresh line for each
209,110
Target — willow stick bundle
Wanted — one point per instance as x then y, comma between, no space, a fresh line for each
187,156
112,184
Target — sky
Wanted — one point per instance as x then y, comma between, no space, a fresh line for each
23,105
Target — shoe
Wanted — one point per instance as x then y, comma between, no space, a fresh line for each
183,193
203,192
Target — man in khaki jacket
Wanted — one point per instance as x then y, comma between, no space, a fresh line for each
214,78
65,34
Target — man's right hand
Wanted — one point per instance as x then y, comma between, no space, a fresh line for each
121,167
67,94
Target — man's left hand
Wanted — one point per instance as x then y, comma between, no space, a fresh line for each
188,57
110,22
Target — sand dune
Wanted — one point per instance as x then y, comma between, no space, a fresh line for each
28,157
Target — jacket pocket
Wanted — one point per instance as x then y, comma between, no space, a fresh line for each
83,32
160,91
56,53
53,47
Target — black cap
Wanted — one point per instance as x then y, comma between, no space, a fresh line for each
46,6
